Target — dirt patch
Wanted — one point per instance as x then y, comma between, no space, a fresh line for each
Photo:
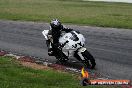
34,65
26,59
30,62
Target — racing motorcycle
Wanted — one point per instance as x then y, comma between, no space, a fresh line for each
72,45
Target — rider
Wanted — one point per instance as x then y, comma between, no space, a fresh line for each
56,29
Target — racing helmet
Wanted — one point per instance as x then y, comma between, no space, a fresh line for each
56,24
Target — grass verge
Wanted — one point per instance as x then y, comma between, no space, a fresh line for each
69,11
14,75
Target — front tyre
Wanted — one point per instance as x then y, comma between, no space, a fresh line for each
85,57
89,59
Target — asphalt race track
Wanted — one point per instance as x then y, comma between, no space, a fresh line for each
112,48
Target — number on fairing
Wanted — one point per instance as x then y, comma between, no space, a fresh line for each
75,46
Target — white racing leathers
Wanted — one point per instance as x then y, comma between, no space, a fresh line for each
72,45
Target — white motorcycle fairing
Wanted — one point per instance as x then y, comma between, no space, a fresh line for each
72,45
71,41
74,41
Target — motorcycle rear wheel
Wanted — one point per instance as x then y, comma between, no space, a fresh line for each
61,58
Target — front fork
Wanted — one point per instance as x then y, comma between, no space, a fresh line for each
79,54
85,57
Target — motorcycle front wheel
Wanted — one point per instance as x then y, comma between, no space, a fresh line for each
89,59
86,58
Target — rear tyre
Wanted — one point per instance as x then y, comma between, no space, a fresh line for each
62,58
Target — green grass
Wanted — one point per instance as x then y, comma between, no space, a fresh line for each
14,75
69,11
